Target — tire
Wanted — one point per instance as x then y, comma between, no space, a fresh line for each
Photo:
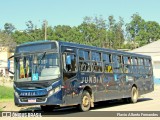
134,95
126,100
85,101
47,108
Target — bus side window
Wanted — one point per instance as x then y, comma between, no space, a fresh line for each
148,66
81,55
107,63
109,69
141,66
120,58
127,66
84,64
96,64
115,64
134,64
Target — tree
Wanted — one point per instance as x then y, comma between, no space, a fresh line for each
93,31
119,34
7,40
30,26
142,32
136,29
9,28
153,31
61,32
20,37
115,35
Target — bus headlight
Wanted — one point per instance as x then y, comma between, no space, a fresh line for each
16,94
51,93
58,88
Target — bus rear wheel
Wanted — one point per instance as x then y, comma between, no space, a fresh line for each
47,108
134,95
85,101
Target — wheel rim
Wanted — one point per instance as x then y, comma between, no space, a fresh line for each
135,94
85,101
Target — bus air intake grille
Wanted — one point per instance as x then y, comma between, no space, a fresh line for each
32,86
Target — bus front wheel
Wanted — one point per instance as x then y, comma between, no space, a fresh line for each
85,101
134,95
47,108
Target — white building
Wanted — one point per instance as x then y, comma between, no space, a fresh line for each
4,55
153,50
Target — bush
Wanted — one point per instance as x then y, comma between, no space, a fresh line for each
6,92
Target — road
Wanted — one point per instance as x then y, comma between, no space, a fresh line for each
147,102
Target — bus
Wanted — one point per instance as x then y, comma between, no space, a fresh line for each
56,73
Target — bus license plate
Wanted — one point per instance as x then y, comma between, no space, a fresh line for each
31,100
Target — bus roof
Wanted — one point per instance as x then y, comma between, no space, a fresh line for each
87,47
35,42
101,49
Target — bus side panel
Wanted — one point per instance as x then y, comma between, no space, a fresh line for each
71,92
109,88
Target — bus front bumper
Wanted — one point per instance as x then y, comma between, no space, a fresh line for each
55,99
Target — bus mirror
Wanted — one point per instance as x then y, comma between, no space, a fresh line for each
9,65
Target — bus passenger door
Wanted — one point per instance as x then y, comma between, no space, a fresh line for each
70,80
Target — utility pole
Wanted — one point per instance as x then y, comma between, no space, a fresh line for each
45,29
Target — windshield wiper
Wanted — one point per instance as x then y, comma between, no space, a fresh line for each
44,54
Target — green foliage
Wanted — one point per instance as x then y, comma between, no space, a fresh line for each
9,28
92,31
95,31
62,32
141,31
6,92
7,40
115,35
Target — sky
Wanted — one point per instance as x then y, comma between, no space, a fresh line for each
72,12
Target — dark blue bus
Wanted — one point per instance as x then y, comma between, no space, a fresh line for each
54,74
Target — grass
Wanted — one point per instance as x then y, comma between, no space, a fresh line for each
6,100
6,93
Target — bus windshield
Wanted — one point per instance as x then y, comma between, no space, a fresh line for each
38,66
